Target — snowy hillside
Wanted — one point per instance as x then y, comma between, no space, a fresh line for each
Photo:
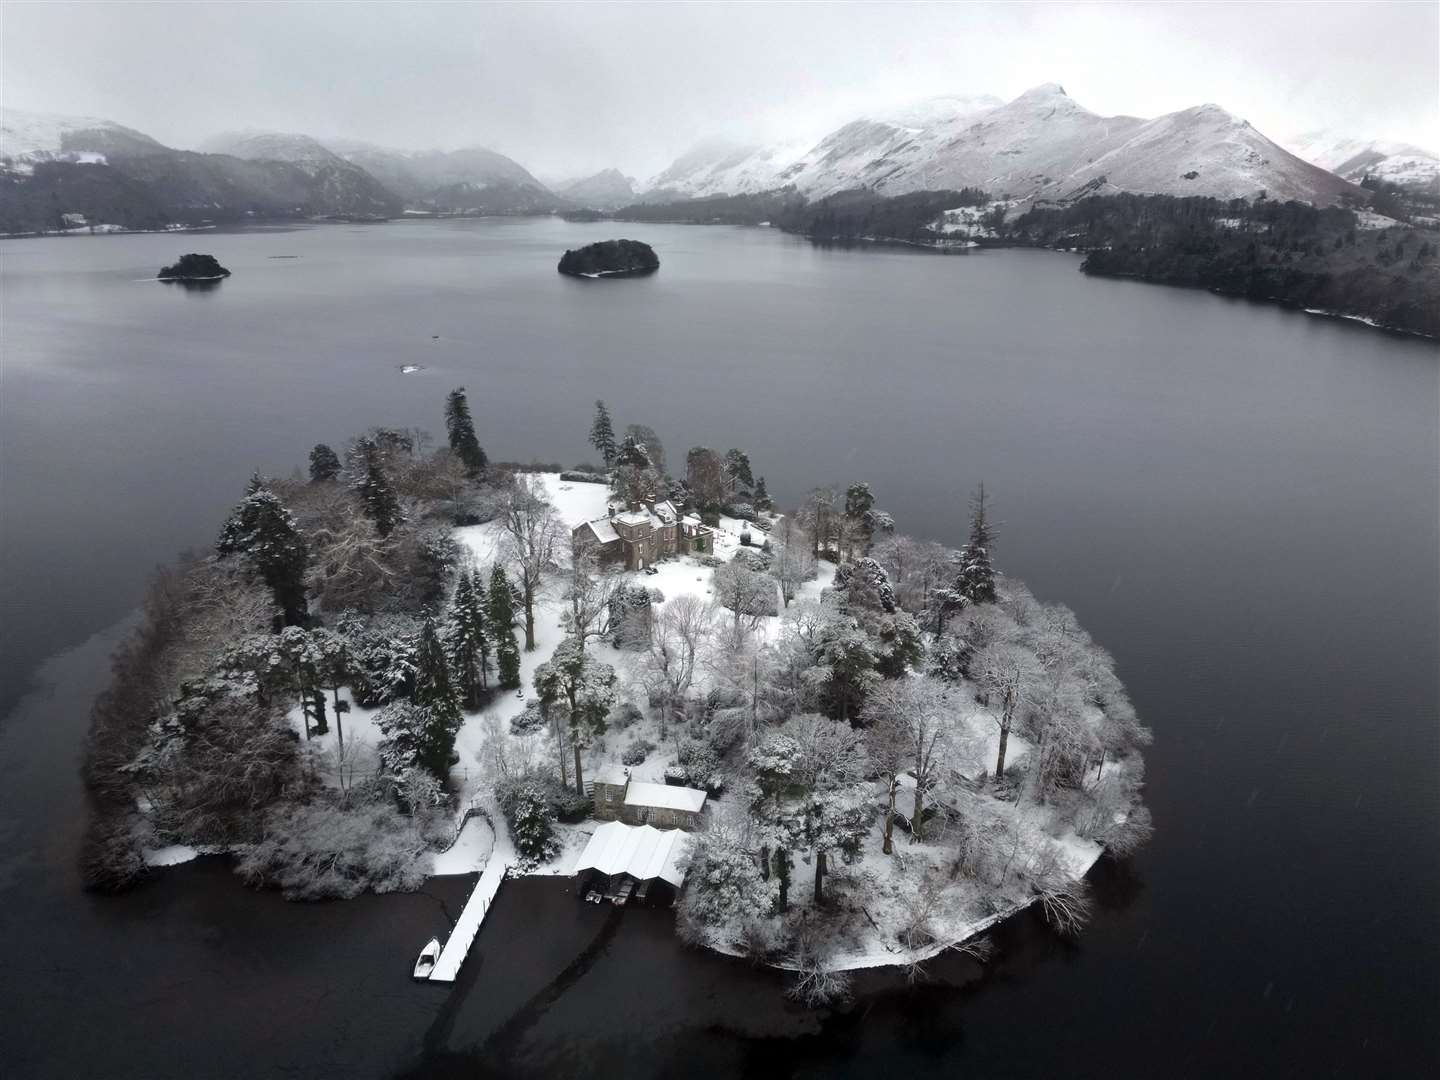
27,138
1205,151
271,146
1354,159
450,179
608,189
1042,144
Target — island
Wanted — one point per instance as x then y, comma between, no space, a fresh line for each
826,744
610,258
194,267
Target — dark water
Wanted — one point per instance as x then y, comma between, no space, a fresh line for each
1240,502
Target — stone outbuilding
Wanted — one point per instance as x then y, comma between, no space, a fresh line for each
634,802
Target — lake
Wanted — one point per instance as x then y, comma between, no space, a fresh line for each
1241,502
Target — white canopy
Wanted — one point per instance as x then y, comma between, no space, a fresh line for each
637,850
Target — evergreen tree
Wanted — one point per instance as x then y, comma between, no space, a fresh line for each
500,615
737,467
324,464
381,505
435,693
579,691
975,581
461,430
762,496
632,452
262,531
467,640
602,434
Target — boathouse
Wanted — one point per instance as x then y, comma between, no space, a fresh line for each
632,862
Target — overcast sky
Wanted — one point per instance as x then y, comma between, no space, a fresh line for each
571,88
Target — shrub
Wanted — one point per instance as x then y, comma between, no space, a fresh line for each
745,538
583,474
637,753
624,715
711,561
530,814
677,775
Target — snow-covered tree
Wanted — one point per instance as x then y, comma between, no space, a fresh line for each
415,736
645,436
792,566
371,483
918,714
762,496
500,622
737,468
602,434
705,473
467,639
424,734
533,534
1009,675
724,890
577,691
748,594
324,464
588,590
461,430
261,531
675,645
975,576
844,667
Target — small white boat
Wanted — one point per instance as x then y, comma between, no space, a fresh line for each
426,961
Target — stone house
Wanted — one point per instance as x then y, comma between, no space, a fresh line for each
639,537
665,806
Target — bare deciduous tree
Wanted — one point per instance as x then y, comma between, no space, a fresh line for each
920,715
533,535
678,638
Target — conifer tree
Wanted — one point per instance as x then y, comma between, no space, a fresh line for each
975,581
262,531
435,693
381,505
461,429
602,434
466,637
500,615
324,464
762,496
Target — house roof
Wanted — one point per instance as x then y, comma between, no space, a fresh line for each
666,796
633,517
638,850
603,531
610,774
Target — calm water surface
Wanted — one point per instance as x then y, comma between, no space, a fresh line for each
1240,502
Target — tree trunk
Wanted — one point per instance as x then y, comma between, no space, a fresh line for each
819,877
560,748
1100,769
782,873
579,779
888,847
529,619
765,862
1000,758
917,821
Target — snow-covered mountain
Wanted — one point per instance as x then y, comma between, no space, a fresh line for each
608,189
27,138
1354,159
471,179
1041,145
